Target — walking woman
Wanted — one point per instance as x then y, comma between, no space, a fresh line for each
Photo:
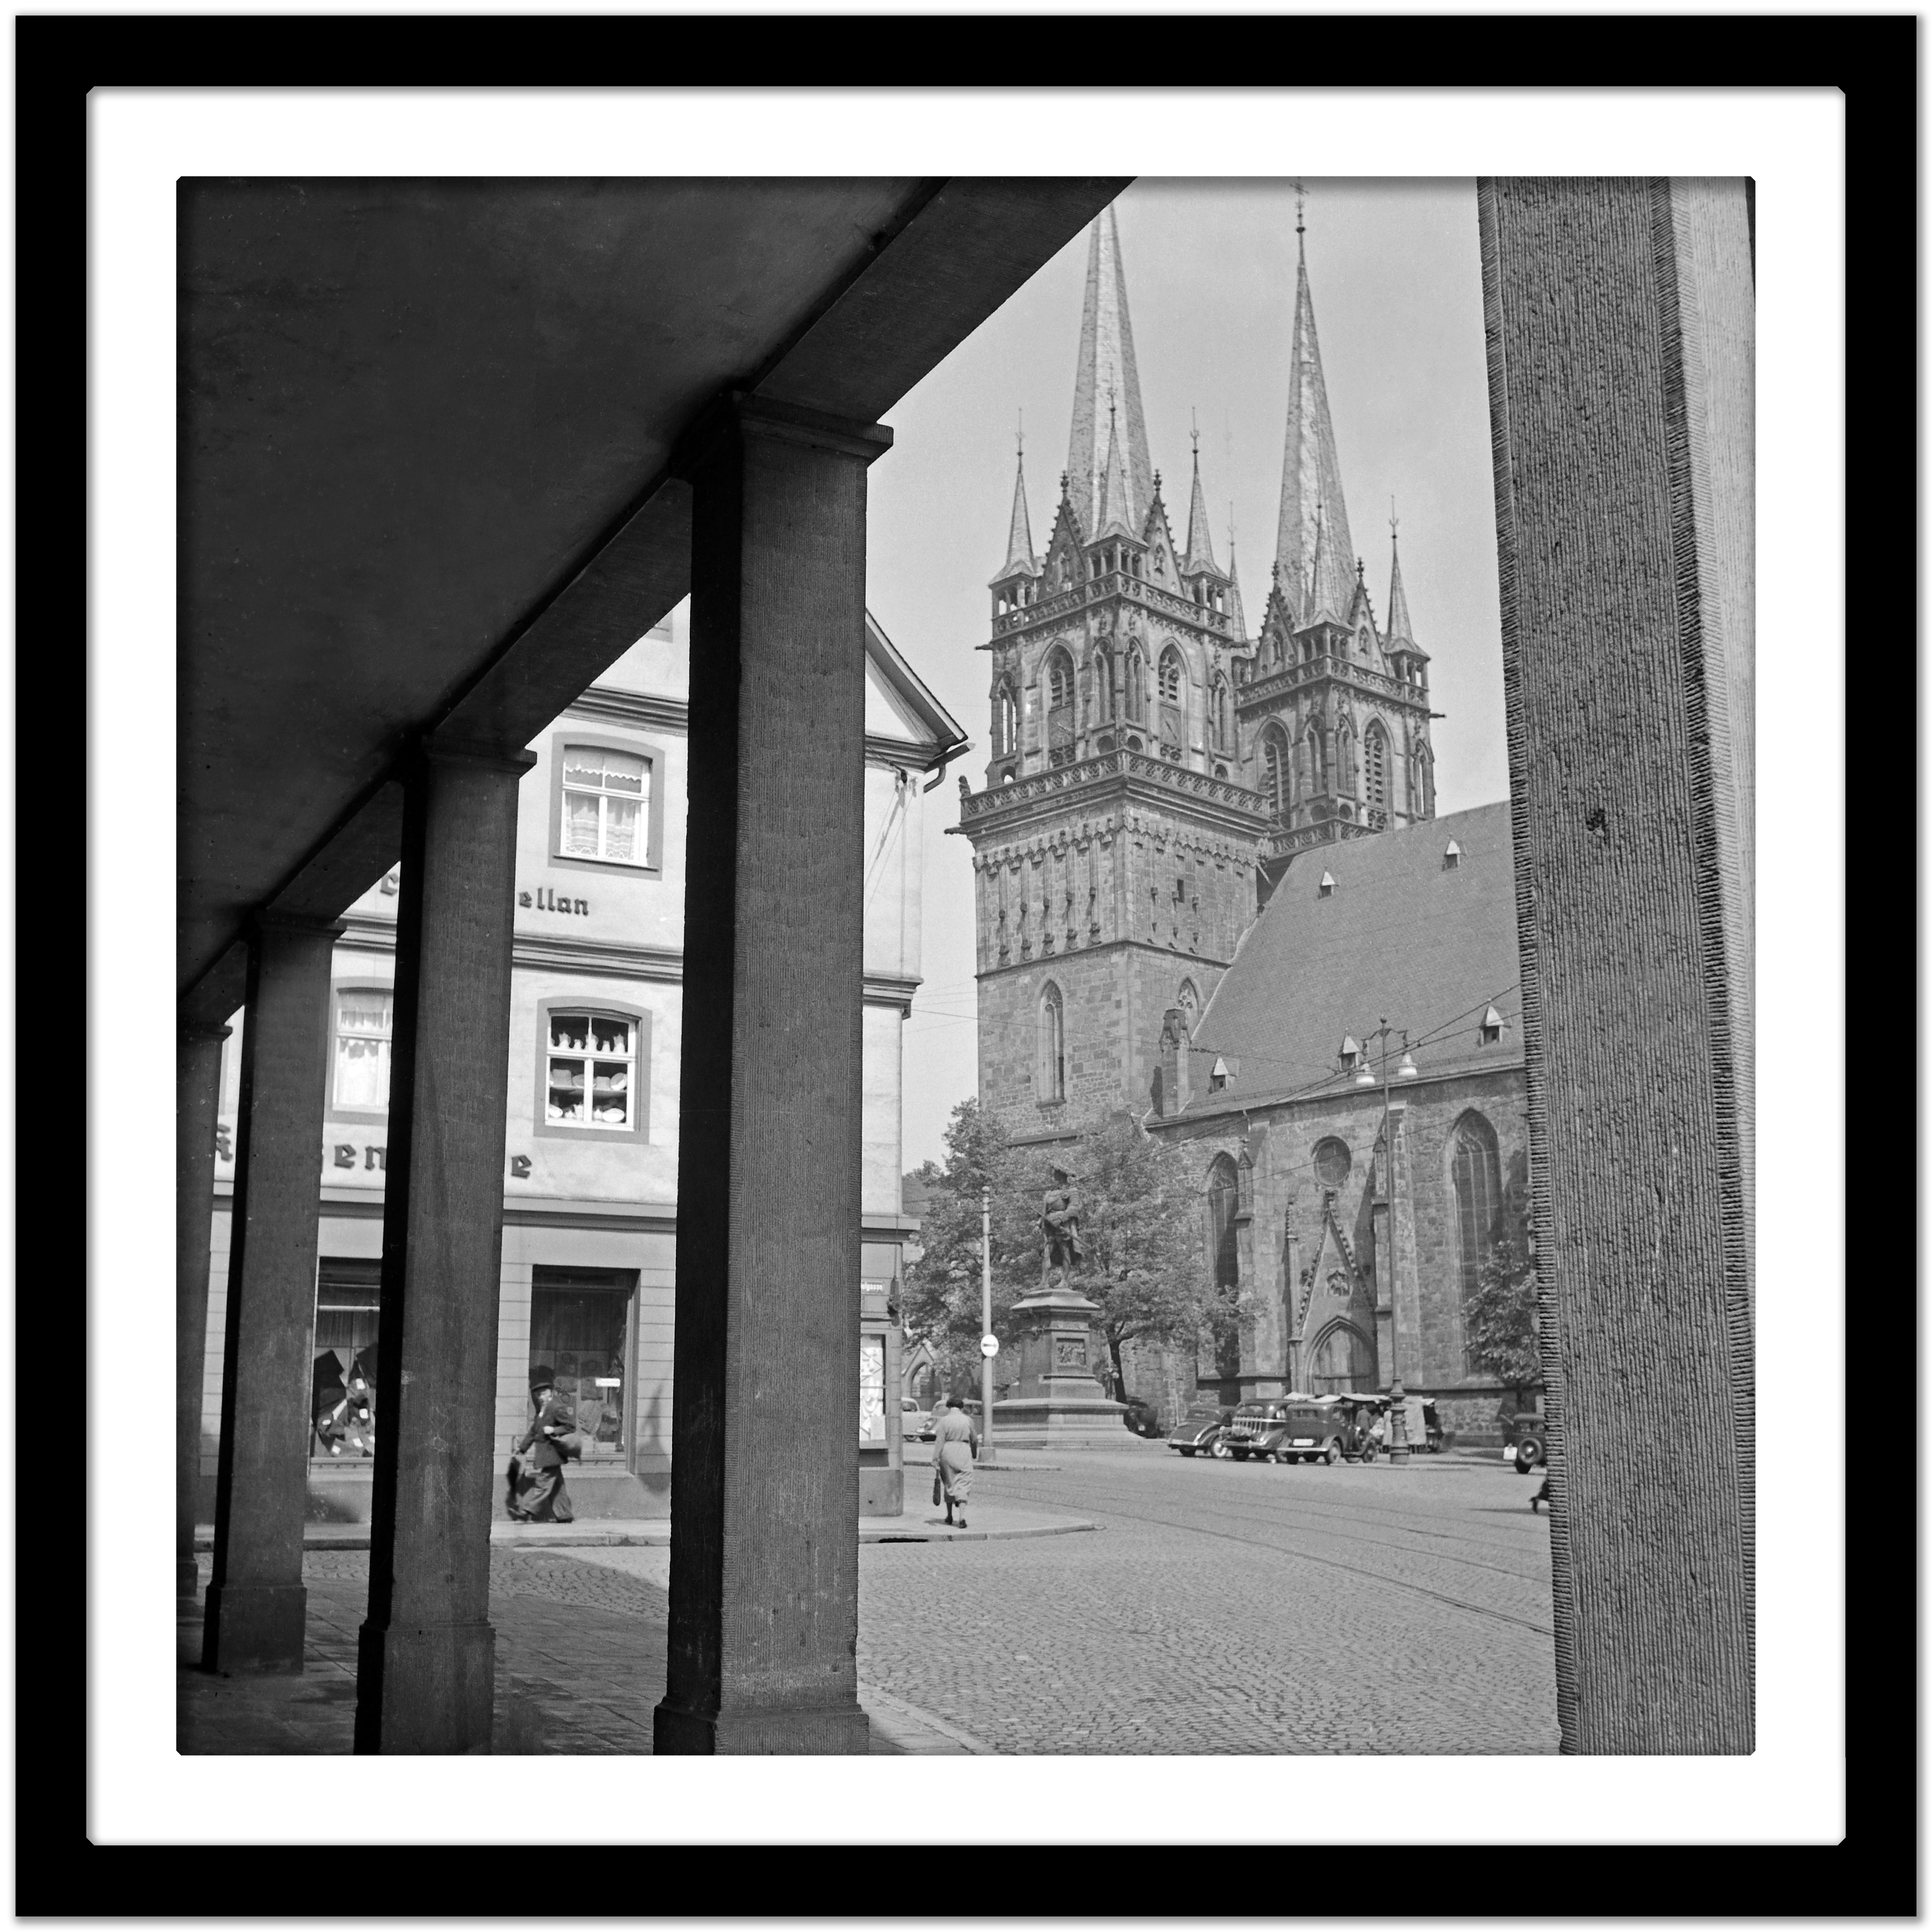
955,1445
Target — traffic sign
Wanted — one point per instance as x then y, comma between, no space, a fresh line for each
989,1345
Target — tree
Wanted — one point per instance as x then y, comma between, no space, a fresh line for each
941,1302
1499,1316
1140,1227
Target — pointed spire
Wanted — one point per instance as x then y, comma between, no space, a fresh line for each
1020,558
1237,627
1107,366
1313,558
1116,510
1398,629
1200,557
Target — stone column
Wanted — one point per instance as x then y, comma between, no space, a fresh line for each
255,1602
1619,317
197,1101
424,1668
765,1493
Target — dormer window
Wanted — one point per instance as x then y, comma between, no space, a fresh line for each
1217,1081
1452,855
1492,1027
1327,888
1350,1053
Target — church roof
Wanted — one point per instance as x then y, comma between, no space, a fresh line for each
1312,544
1429,944
1107,378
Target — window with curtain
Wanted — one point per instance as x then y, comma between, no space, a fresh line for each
1477,1173
364,1019
1052,1044
606,796
872,1390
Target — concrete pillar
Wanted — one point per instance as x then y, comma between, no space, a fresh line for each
765,1494
1619,316
256,1602
197,1103
425,1671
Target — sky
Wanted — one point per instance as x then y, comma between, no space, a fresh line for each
1395,278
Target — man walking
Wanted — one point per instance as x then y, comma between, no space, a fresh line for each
537,1494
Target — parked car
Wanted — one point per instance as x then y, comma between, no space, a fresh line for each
915,1423
1280,1431
1525,1440
1200,1433
1141,1417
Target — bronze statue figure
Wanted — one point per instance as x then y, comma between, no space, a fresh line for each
1059,1222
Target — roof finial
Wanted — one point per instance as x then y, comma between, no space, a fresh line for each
1393,520
1019,436
1300,224
1194,418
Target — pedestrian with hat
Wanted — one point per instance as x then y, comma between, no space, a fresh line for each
537,1493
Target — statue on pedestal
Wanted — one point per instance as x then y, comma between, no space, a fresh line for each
1059,1223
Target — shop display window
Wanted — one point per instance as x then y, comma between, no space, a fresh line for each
581,1327
342,1389
591,1078
606,804
872,1390
365,1021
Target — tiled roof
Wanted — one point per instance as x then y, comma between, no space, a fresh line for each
1430,946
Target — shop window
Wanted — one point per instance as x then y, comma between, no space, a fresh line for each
580,1330
364,1022
594,1071
342,1384
872,1390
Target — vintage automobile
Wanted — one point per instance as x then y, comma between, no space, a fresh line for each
1201,1431
915,1423
1525,1440
1141,1417
1281,1429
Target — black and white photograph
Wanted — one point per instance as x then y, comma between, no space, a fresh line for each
971,964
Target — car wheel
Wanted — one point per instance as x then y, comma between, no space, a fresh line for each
1332,1454
1528,1455
1187,1452
1220,1452
1368,1452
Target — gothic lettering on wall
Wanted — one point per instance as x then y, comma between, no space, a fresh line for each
545,900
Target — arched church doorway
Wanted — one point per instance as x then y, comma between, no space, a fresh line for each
1343,1363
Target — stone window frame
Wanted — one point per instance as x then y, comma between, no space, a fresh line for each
651,866
1468,1271
1050,1072
639,1131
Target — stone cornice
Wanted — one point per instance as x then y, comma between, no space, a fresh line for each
644,709
1117,774
1232,1104
1259,692
1063,604
1035,961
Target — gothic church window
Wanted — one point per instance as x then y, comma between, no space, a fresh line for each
1059,708
1218,714
1316,758
1375,747
1052,1044
1006,723
1274,775
1224,1189
1476,1175
1136,688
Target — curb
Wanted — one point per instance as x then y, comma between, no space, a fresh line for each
586,1537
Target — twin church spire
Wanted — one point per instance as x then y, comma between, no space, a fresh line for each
1110,483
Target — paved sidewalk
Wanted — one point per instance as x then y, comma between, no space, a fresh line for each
989,1520
580,1643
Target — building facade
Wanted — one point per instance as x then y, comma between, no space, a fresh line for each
590,1175
1157,778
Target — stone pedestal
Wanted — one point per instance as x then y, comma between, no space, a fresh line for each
1059,1404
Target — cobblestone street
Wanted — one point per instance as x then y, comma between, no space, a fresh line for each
1220,1607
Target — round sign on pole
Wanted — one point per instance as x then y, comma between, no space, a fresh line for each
989,1345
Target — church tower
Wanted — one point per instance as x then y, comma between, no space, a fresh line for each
1115,841
1154,770
1334,708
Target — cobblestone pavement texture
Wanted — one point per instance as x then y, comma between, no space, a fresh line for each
1222,1608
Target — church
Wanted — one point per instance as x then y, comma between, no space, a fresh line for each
1210,872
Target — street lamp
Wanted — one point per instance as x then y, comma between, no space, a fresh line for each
1404,1070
